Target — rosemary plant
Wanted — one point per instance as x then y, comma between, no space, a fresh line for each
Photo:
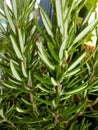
48,74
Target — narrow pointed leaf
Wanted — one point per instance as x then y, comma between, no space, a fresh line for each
52,51
63,45
76,62
54,103
23,70
9,17
14,6
14,71
8,86
13,81
43,56
59,15
72,72
76,90
20,110
16,87
26,102
21,40
46,21
53,81
43,89
16,49
86,31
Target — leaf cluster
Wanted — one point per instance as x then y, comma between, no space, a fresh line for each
48,76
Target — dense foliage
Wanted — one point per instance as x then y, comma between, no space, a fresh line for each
49,75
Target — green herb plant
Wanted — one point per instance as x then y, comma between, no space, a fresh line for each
48,75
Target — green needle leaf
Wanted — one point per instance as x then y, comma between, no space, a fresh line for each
53,81
14,71
21,41
24,70
42,54
72,72
86,31
76,90
76,62
46,21
59,15
20,110
14,6
62,48
52,51
9,17
9,86
16,49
